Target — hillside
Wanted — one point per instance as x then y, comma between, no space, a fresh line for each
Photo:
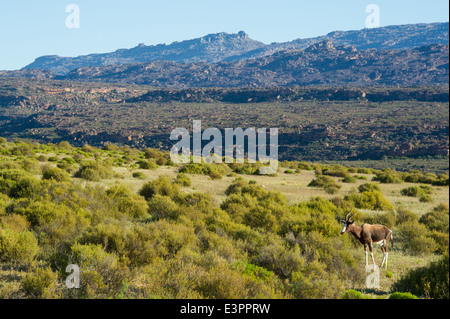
314,123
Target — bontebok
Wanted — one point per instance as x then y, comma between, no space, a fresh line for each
369,235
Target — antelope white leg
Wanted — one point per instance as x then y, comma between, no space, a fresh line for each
373,259
387,254
367,259
384,258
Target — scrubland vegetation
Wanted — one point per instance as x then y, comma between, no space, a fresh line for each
139,226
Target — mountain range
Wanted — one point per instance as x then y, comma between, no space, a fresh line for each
403,55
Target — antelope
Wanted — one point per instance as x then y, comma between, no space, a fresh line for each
368,235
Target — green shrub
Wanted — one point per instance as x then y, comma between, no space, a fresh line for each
163,207
415,239
26,187
335,171
373,200
20,247
138,175
126,202
369,187
387,178
417,191
353,294
431,281
402,295
245,169
349,179
406,216
425,198
387,219
325,182
162,186
56,174
152,153
147,164
215,175
94,171
364,171
441,182
437,219
215,171
314,282
22,150
183,180
40,283
64,145
101,275
66,167
15,222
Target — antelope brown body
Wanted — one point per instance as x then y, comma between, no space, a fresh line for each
369,235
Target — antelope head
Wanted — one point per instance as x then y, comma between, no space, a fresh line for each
347,222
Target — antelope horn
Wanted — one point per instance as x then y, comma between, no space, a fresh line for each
349,215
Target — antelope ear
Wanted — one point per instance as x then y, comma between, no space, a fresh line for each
351,221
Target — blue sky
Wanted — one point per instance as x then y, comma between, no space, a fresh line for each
29,29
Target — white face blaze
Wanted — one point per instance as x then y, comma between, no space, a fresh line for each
343,229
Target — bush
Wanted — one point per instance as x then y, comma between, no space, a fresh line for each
431,281
402,295
26,187
387,178
353,294
336,172
139,175
387,219
325,182
56,174
437,219
162,207
162,186
313,282
152,153
415,240
101,275
183,180
373,200
364,171
425,198
40,283
15,222
406,216
369,187
349,179
19,247
441,182
126,202
147,164
416,191
94,171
